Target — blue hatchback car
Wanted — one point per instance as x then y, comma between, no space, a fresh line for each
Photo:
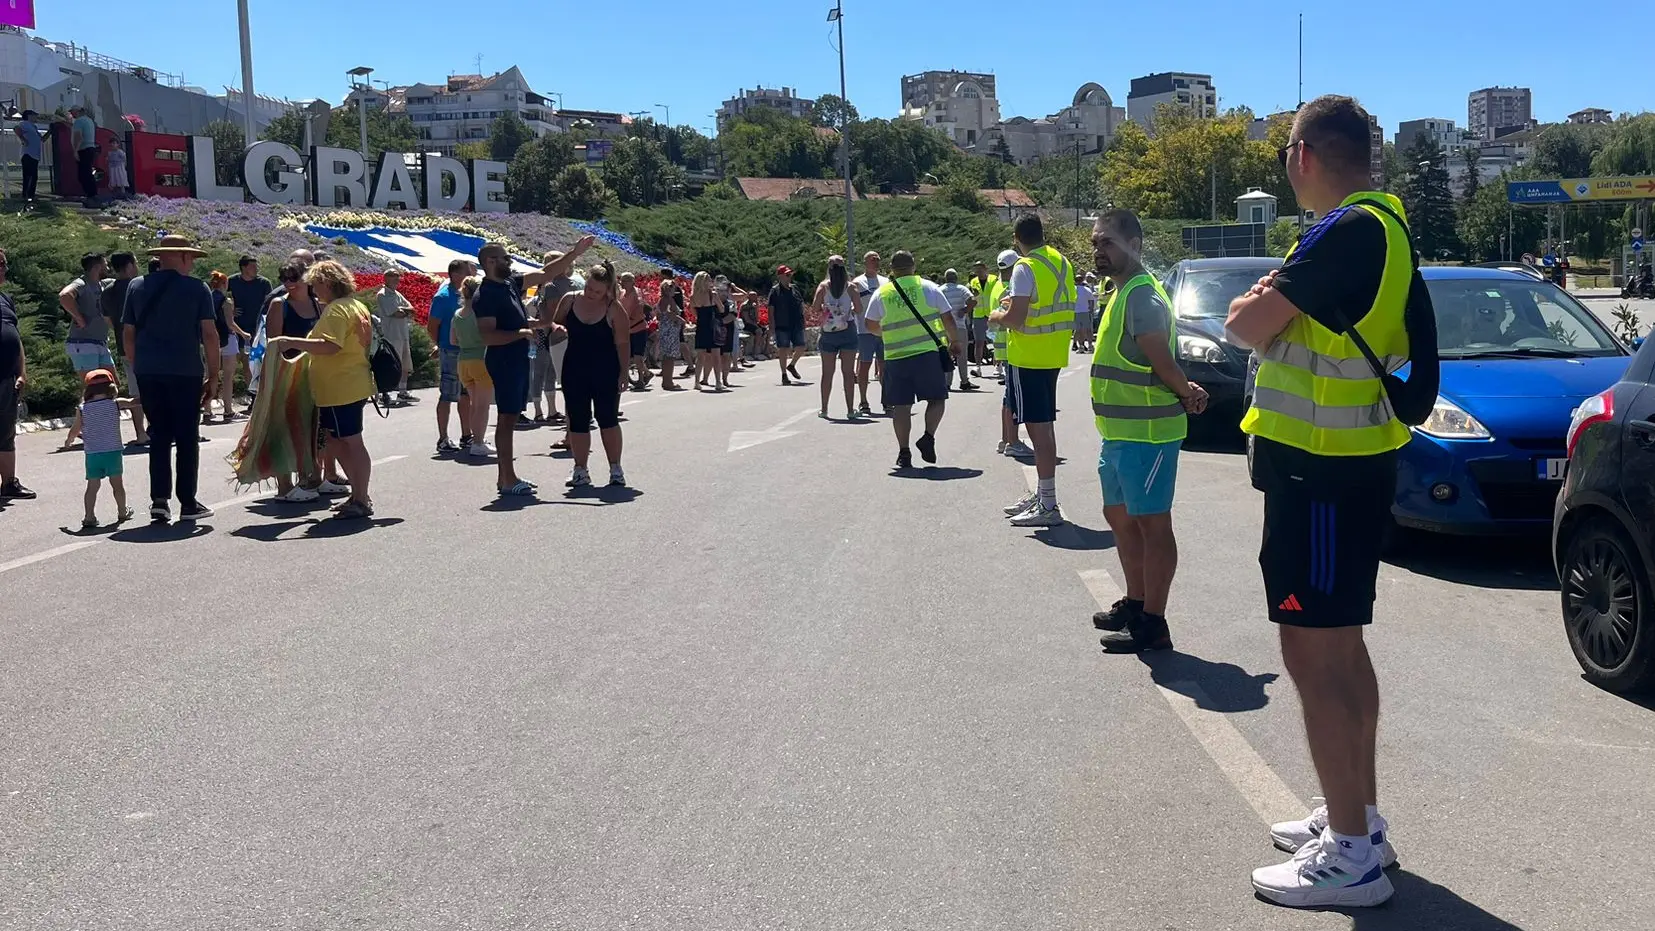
1518,356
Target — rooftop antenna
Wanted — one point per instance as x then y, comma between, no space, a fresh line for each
1301,49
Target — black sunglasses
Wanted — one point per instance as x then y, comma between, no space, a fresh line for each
1282,153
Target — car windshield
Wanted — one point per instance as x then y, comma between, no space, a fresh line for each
1208,292
1513,317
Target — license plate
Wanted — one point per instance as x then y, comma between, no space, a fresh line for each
1551,470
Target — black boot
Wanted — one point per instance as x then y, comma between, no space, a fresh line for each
1118,614
1143,633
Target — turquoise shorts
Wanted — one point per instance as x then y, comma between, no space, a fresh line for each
104,465
1140,476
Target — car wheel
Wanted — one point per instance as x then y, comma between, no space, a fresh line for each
1607,608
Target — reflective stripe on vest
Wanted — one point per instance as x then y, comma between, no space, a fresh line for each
904,335
1042,342
1129,401
1314,389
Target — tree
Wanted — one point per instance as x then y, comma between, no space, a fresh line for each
508,134
1191,162
578,193
767,143
1567,149
229,147
476,148
1002,150
962,194
833,111
899,152
1429,202
532,173
1628,147
1486,216
638,172
1472,155
1393,177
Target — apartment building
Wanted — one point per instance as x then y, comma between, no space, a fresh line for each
1194,92
464,108
1496,111
960,104
1444,133
785,99
1591,116
1087,125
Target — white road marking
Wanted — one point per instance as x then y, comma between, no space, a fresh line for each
1260,787
746,439
44,555
78,545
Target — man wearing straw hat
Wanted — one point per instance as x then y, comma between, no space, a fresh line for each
167,318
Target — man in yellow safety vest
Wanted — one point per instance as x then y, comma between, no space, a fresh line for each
1139,398
1325,436
910,316
1039,321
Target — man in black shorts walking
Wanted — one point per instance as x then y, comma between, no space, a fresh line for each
1325,438
910,316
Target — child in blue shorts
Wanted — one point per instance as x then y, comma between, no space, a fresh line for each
100,417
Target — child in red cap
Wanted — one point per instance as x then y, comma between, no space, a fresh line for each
100,417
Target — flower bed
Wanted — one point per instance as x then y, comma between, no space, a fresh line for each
417,288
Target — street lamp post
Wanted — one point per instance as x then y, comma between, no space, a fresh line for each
668,110
1077,182
362,86
837,15
247,124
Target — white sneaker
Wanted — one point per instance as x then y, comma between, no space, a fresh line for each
1022,504
579,478
617,478
1019,450
299,494
1320,875
1039,516
332,488
480,449
1292,835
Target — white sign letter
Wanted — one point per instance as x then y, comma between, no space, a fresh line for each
435,168
394,186
287,188
204,174
333,169
487,180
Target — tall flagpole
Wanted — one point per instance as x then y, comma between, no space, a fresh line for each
248,127
838,15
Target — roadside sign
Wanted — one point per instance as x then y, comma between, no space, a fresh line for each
1571,190
1637,245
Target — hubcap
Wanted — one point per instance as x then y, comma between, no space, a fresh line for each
1601,602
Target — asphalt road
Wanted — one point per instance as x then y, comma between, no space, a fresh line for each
773,687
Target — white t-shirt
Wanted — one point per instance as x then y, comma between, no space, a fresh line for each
1085,300
1022,280
958,296
867,290
934,298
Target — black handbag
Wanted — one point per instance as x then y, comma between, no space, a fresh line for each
943,356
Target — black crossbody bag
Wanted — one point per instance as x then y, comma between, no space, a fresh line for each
943,356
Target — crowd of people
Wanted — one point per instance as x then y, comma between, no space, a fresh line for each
505,339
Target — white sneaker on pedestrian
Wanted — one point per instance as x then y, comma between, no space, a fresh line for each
1320,875
579,478
1292,835
1039,516
480,449
332,488
299,494
1022,504
617,478
1019,450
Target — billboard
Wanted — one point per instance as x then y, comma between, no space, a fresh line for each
18,13
1580,190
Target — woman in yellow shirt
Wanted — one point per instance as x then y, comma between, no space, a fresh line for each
341,380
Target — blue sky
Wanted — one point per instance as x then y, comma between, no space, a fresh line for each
1418,60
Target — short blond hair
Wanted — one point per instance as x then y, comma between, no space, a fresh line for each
332,279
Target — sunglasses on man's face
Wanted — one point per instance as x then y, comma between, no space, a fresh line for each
1286,150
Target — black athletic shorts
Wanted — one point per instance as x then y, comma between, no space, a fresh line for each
1325,521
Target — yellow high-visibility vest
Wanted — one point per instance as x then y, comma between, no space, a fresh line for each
1042,342
1129,401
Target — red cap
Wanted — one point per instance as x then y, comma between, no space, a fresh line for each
783,270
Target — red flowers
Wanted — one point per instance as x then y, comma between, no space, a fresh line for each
416,287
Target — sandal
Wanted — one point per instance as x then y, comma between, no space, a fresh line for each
353,509
520,490
561,444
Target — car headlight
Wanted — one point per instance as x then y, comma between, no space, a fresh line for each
1449,421
1199,349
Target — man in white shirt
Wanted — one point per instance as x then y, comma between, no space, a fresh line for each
870,349
960,304
1086,308
915,373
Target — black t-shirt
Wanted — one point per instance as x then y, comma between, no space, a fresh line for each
114,300
1338,265
501,301
11,340
787,312
219,297
250,298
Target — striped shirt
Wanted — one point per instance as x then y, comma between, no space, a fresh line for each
100,425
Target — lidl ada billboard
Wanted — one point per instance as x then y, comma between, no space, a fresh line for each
1580,190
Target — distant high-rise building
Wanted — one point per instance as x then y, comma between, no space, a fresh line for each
1444,133
1376,152
1194,92
786,100
961,104
1495,111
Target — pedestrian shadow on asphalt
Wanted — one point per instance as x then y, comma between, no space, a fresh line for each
102,530
938,473
1420,903
1519,563
314,529
1072,536
270,507
1222,687
161,533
